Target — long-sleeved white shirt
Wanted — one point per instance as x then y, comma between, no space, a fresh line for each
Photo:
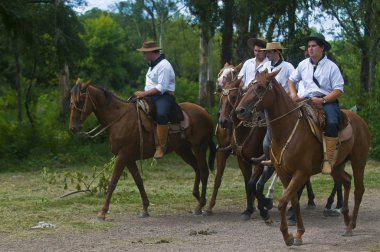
161,77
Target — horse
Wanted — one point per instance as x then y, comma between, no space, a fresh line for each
297,153
223,136
131,138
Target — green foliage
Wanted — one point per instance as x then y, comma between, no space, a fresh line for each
186,90
94,182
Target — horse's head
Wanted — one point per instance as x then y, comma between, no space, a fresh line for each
228,72
258,97
81,105
229,95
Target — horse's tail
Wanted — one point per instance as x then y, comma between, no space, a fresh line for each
211,155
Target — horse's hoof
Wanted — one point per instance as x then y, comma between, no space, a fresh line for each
348,233
197,212
207,213
331,212
298,242
268,203
291,222
100,218
290,240
143,215
310,206
245,216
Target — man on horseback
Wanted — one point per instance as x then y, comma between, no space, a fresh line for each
159,87
255,65
276,62
323,83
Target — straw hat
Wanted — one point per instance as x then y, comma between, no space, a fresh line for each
273,46
256,41
149,46
303,48
319,37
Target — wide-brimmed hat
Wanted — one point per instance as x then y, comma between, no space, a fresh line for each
273,46
256,41
319,37
149,46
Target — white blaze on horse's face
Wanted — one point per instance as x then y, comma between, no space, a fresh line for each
223,74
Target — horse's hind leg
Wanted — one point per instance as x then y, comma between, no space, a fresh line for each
221,158
117,170
187,155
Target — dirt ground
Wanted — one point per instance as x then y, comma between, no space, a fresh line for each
223,231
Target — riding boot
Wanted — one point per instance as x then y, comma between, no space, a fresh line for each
330,152
267,162
162,136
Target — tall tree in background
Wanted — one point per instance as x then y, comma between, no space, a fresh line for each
227,16
206,13
359,22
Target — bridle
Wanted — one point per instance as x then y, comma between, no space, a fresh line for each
252,108
86,99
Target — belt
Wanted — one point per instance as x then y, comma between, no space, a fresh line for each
169,93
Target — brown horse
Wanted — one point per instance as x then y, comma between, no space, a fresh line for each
130,142
297,153
246,142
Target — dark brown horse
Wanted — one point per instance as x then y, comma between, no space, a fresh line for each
246,142
297,153
122,121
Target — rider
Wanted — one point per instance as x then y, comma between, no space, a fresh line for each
323,84
276,63
255,65
159,87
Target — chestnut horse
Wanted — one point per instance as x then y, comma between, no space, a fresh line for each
129,141
298,154
223,136
245,142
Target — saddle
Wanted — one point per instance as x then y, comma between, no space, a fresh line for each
178,119
316,119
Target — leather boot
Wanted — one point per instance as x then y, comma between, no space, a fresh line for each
330,152
162,136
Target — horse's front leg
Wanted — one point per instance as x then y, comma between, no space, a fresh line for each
292,185
221,158
246,170
132,167
117,170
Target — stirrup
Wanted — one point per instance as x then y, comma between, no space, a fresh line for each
267,162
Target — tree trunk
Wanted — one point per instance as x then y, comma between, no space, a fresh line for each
18,81
203,60
293,49
227,32
29,94
210,75
64,91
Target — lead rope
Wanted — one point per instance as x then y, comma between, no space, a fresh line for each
141,139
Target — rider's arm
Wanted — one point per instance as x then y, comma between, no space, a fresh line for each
292,90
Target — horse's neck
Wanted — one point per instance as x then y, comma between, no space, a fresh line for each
109,112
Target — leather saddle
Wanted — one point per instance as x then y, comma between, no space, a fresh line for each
178,119
316,119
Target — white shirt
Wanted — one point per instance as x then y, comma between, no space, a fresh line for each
283,76
249,71
327,74
161,77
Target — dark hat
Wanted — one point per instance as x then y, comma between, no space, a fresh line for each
149,46
319,37
256,41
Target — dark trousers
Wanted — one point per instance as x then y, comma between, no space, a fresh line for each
163,105
332,112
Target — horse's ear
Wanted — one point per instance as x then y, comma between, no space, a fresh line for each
78,81
88,83
237,68
274,73
226,64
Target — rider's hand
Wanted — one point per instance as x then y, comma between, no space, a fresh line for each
317,100
139,94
